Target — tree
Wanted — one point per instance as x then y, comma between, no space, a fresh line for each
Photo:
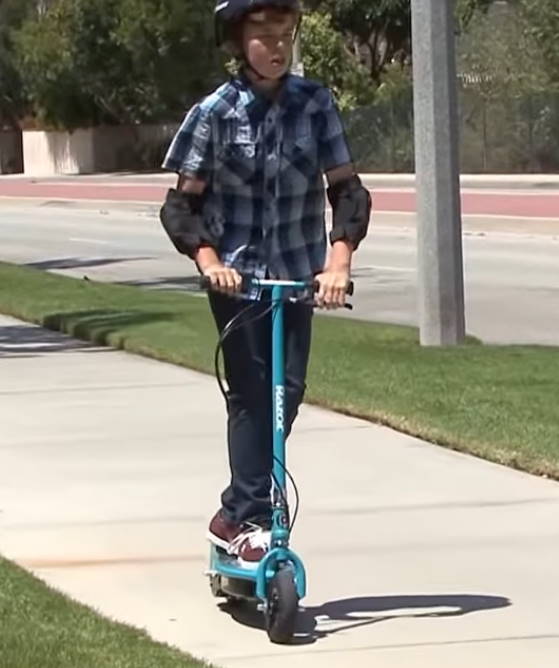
504,76
541,18
378,32
375,31
172,46
12,102
87,62
326,58
466,11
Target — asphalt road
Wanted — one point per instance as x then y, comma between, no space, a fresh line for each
512,280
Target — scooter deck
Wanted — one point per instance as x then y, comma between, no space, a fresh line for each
226,565
234,580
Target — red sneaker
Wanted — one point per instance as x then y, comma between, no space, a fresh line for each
250,545
222,531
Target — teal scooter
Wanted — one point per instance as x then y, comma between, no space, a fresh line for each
278,582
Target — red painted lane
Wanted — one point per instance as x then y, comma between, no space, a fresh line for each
120,193
537,205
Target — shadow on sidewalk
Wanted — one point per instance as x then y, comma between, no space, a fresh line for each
93,326
187,283
77,262
354,613
24,341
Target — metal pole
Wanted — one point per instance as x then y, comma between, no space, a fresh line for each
440,264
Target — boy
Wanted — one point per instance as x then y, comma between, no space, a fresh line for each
250,200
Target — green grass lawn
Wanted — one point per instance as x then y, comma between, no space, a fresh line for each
498,402
41,628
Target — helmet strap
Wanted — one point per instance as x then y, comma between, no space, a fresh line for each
248,66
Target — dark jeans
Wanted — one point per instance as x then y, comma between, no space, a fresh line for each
248,369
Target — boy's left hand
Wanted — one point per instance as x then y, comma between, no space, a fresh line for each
333,286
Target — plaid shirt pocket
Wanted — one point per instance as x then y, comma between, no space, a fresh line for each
237,157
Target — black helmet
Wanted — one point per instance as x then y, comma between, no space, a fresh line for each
229,12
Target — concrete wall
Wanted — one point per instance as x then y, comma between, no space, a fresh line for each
131,147
102,149
11,152
49,153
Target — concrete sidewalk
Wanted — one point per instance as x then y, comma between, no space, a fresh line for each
418,557
373,180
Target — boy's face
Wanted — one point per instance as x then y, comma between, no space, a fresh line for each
268,41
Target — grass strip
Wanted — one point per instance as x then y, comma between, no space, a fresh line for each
41,627
497,402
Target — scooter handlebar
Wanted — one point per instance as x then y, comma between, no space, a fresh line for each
206,284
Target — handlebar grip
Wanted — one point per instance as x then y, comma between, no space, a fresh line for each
206,283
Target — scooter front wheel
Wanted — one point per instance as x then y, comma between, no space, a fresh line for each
282,606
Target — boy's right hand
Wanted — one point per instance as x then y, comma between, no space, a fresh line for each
223,279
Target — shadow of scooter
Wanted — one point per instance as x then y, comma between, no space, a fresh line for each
353,613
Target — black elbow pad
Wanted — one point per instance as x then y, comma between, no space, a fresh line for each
182,218
351,211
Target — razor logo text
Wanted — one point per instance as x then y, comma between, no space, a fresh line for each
280,400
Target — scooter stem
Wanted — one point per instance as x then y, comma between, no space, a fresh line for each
280,523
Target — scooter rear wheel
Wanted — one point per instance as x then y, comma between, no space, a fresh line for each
215,586
282,607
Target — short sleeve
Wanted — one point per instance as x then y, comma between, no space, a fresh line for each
332,142
191,151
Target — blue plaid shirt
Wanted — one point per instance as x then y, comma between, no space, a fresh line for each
263,162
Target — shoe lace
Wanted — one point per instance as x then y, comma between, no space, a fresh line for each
256,536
